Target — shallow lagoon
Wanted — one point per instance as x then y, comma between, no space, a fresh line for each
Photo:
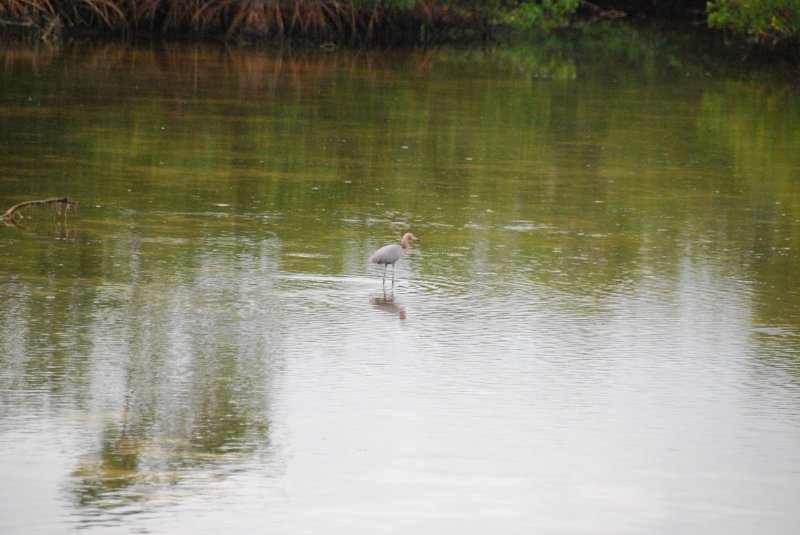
598,333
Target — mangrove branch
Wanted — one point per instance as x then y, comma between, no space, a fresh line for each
9,215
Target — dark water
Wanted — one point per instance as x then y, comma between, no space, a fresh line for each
598,333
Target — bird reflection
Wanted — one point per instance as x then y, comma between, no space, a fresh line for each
386,303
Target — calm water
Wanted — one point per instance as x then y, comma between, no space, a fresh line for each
598,333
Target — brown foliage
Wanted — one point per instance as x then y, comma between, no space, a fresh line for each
271,19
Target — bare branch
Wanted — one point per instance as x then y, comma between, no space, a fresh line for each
9,215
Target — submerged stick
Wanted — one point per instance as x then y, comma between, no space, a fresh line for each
9,215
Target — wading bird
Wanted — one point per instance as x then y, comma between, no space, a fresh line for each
390,254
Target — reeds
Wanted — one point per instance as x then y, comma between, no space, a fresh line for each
355,21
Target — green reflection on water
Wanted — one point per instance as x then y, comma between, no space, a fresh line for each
203,173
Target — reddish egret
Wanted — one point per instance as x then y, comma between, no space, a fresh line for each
390,254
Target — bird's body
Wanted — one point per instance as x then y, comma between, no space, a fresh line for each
390,254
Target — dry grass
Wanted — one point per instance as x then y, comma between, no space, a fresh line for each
318,20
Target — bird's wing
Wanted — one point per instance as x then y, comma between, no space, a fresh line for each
378,255
385,255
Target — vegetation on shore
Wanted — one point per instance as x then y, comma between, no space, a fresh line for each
337,21
770,24
762,22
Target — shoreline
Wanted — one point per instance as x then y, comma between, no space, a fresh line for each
351,29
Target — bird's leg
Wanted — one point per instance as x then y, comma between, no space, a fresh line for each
394,268
384,273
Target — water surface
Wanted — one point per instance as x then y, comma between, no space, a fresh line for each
598,333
